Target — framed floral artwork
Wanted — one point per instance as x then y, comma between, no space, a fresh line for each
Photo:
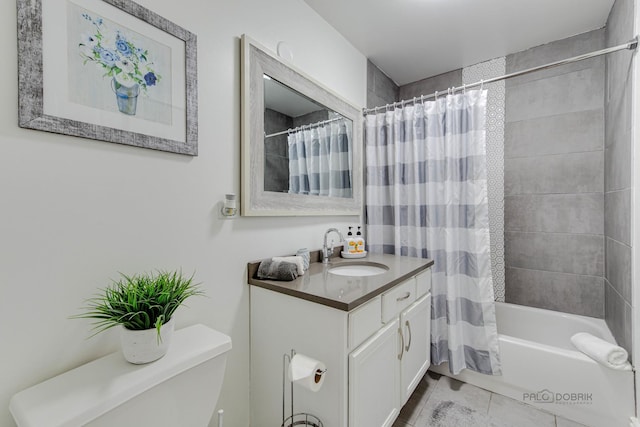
110,70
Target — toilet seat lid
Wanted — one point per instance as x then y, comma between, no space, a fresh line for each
82,394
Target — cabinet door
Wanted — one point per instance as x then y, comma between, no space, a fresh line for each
374,379
415,324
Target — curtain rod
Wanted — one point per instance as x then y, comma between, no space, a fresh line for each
630,45
296,129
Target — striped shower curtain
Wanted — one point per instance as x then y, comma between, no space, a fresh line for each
426,196
319,160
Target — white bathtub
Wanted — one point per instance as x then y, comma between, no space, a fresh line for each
542,368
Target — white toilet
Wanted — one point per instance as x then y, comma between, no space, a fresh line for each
181,389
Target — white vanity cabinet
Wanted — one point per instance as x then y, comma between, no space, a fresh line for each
375,354
374,380
387,367
415,324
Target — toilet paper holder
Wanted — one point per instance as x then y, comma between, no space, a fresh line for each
301,418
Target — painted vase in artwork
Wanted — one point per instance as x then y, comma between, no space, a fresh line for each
126,96
117,52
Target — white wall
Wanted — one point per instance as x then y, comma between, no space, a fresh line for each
74,212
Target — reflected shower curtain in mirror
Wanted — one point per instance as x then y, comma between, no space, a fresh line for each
426,196
319,160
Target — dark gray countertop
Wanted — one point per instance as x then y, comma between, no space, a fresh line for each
343,292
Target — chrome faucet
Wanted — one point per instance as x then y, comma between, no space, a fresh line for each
328,251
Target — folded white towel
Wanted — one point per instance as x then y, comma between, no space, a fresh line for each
610,355
297,260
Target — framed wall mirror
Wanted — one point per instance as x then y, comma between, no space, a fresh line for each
301,143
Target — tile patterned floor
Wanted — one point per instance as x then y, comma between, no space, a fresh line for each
440,401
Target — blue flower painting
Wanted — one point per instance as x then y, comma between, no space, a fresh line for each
120,72
128,67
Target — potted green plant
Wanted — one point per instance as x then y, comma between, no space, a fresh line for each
142,305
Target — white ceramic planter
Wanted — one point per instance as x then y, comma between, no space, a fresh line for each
143,346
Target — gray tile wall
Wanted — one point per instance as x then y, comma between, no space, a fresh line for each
276,150
554,179
429,85
381,90
617,175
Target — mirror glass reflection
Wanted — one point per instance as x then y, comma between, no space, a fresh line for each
307,146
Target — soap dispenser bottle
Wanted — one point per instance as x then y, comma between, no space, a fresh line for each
359,242
349,243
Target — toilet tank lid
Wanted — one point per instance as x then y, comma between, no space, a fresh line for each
82,394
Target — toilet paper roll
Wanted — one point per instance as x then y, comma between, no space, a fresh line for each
307,372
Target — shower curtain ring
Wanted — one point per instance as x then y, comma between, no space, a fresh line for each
481,84
436,95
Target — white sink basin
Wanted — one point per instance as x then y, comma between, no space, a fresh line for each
359,269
